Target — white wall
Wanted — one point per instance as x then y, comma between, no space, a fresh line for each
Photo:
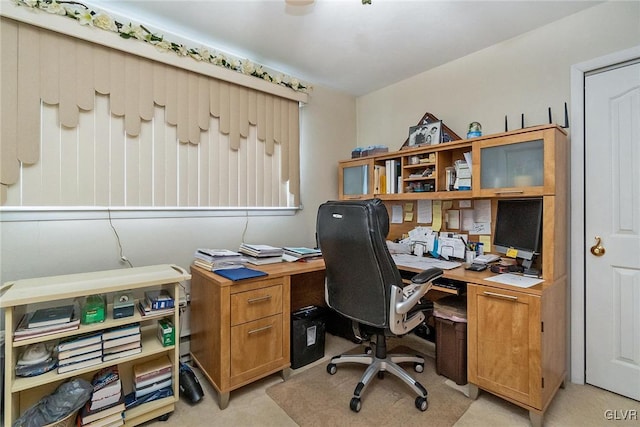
52,247
526,74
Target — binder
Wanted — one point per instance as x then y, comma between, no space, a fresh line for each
240,273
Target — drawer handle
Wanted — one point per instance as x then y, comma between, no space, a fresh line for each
264,328
259,299
493,294
510,192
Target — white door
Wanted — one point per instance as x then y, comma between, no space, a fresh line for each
612,213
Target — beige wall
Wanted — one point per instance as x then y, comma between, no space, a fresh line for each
31,248
526,75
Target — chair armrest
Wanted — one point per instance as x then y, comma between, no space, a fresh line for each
427,276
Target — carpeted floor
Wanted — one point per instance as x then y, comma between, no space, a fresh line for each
316,398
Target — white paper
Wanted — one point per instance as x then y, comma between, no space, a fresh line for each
425,212
464,204
423,263
482,211
515,280
451,247
467,219
396,214
480,228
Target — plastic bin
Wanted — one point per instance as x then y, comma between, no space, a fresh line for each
307,336
451,338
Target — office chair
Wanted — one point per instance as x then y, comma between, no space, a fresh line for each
364,285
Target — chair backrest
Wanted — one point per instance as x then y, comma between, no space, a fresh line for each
359,269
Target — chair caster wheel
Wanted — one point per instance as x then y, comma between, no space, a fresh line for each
368,350
418,367
332,368
421,403
381,375
355,404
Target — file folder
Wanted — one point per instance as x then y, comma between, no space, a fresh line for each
239,273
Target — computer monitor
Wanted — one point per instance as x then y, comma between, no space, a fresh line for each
518,226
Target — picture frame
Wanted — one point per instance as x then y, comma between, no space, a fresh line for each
446,134
425,134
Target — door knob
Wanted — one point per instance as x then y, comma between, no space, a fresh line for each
597,249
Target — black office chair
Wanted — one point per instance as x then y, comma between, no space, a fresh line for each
364,284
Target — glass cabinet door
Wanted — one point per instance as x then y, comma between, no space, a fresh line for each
515,165
355,178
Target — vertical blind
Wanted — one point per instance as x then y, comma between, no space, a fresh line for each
91,126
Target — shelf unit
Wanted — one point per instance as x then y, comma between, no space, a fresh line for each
23,296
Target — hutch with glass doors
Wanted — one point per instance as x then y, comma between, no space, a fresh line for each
516,336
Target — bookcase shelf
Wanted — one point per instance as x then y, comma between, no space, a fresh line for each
22,392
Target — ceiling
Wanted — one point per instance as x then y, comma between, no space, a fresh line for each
343,44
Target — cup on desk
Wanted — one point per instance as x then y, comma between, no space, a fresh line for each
469,256
418,250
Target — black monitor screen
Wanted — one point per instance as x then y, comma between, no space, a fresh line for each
518,226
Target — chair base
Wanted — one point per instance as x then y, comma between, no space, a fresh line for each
379,362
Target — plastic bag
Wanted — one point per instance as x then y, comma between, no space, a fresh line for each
68,397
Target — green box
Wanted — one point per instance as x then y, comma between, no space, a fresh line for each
94,309
166,332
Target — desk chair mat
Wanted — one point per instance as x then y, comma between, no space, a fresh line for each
313,397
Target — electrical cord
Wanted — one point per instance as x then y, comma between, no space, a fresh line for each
122,257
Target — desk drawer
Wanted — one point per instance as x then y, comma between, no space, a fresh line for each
256,304
256,344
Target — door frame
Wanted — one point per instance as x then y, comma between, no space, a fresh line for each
577,254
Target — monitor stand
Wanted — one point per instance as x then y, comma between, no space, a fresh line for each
528,271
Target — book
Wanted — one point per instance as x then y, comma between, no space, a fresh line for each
23,330
79,358
78,351
65,328
121,331
106,401
145,310
131,401
118,355
79,365
80,341
87,416
120,341
51,316
264,260
259,251
143,391
148,369
112,420
161,376
302,252
240,273
123,347
106,382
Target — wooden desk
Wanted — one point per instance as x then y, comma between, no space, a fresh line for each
240,331
516,336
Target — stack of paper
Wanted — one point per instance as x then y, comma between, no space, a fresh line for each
260,251
463,173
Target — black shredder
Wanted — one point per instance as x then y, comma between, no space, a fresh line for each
307,335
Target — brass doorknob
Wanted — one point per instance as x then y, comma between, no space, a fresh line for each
597,249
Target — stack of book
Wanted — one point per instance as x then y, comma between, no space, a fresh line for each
216,259
79,352
47,321
150,379
296,254
463,173
121,342
156,302
260,251
105,407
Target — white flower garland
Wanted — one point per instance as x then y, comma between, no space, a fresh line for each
85,16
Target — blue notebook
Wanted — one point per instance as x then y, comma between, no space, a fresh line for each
239,273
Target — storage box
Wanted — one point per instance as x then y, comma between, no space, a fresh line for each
166,332
94,309
122,305
307,336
